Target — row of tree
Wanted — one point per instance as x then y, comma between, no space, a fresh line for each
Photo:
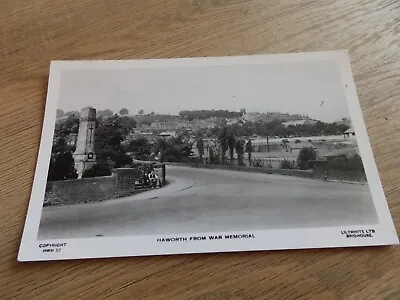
100,113
276,128
228,141
207,114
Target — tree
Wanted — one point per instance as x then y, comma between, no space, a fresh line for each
141,148
146,122
105,113
211,155
62,164
183,145
72,113
141,112
60,113
109,134
223,141
173,150
214,131
305,158
239,151
62,167
124,111
200,147
275,127
128,124
68,126
214,156
231,145
249,150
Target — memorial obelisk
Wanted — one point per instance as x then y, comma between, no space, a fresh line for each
84,154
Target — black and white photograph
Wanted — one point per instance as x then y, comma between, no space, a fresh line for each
204,155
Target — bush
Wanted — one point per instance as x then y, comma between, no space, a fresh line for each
101,168
257,163
287,164
343,163
62,167
306,156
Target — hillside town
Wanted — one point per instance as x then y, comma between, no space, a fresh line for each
263,140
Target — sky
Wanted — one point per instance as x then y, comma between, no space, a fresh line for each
313,88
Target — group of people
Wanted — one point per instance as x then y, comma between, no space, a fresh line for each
153,179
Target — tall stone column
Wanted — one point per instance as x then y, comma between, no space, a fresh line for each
84,155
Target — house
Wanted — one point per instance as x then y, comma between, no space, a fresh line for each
251,117
299,122
171,124
349,132
137,134
167,134
232,121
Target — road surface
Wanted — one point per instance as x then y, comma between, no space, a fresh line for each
200,200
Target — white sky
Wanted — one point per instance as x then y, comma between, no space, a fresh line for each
280,87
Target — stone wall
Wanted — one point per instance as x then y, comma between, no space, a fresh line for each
320,171
125,181
84,190
287,172
121,183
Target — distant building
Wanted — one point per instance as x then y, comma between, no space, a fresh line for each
349,133
138,134
251,117
299,122
206,124
292,119
232,121
144,127
171,124
167,134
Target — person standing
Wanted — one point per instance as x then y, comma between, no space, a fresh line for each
157,180
152,179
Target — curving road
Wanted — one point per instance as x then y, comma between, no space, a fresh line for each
199,200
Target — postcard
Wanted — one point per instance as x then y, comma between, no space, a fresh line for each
201,155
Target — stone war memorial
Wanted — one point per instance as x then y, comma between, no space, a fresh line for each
84,155
121,182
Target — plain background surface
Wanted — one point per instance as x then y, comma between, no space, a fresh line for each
36,32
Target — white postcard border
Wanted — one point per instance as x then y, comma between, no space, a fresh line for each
31,249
